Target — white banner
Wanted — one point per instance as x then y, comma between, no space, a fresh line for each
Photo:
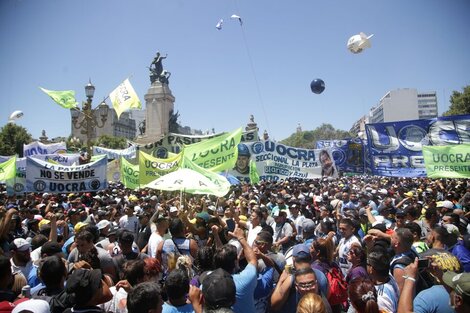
275,161
40,148
63,159
113,154
42,176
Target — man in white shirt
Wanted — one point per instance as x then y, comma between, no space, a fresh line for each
346,228
157,236
129,221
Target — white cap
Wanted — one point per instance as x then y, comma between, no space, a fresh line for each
447,204
318,199
173,209
102,224
21,244
33,305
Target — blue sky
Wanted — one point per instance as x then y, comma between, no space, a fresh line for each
219,78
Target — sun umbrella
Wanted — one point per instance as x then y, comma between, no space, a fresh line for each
193,182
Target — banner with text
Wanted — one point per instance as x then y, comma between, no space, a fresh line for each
395,148
347,153
114,154
151,168
42,176
173,143
447,161
275,161
129,174
58,158
216,154
41,148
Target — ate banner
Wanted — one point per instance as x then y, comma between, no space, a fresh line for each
42,176
347,153
395,148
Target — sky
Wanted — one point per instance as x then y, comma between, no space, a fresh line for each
220,77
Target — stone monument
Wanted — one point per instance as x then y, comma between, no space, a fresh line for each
159,102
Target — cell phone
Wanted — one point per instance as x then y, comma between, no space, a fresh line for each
230,225
423,263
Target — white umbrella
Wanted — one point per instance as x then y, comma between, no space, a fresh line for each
191,181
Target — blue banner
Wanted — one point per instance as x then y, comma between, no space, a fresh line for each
347,153
395,148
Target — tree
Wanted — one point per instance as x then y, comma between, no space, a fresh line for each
459,102
112,142
308,139
173,124
12,139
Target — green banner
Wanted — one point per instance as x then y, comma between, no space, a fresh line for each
451,161
151,168
129,174
124,98
215,154
8,169
65,99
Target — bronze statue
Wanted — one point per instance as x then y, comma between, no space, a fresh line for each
156,69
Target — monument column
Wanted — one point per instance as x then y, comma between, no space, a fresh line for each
159,101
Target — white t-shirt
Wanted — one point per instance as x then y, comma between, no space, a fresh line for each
153,243
343,248
129,223
252,233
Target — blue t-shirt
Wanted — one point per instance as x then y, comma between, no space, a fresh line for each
245,284
463,254
433,300
168,308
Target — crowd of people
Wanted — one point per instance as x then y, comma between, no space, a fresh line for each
350,244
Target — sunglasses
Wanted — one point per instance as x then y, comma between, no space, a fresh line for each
259,242
306,285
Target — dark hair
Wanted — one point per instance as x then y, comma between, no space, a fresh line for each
362,294
325,249
304,271
143,297
225,257
52,270
38,241
379,261
268,229
405,236
84,235
347,221
414,228
5,267
204,259
430,212
265,236
177,284
134,271
444,236
91,257
176,227
413,211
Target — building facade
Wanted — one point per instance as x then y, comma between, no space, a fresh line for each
125,126
404,104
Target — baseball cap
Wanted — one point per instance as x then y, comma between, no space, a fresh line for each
220,211
409,194
83,283
318,199
173,209
308,225
447,204
460,283
400,213
20,244
32,305
102,224
78,226
300,250
51,248
154,198
203,215
218,289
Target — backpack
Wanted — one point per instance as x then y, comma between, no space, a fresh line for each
338,286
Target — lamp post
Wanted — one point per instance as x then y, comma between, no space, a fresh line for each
89,121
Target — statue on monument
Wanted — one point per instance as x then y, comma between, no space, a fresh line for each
156,69
142,128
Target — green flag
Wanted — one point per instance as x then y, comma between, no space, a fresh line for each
8,169
216,154
254,176
65,99
151,168
129,174
452,161
124,98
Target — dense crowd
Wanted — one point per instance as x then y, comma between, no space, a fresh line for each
351,244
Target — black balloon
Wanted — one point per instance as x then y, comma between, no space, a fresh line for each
317,85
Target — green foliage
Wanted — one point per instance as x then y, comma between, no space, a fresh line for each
12,139
112,142
459,102
308,139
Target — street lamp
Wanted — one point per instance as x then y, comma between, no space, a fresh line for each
89,121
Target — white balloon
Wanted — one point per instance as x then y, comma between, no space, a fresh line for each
357,43
236,17
219,24
15,115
